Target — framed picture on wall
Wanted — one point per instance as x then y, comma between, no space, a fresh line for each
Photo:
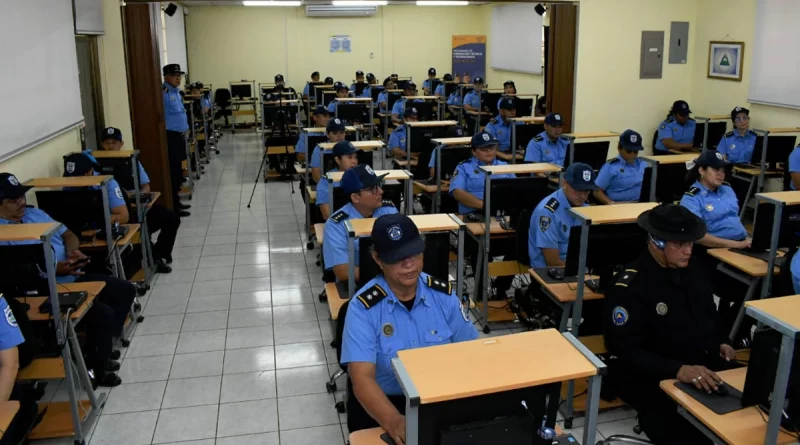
725,60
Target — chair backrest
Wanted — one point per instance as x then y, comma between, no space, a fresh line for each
655,139
340,333
784,283
523,226
222,97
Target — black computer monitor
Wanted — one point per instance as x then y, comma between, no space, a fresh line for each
277,114
319,94
242,90
593,153
427,110
716,130
778,149
328,96
525,133
360,88
78,210
762,228
761,372
511,196
375,91
353,113
121,169
449,87
489,102
451,157
420,138
609,246
328,163
435,84
23,271
670,185
436,258
391,99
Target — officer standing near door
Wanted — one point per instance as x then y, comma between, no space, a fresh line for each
177,126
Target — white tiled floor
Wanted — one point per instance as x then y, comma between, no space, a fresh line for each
235,347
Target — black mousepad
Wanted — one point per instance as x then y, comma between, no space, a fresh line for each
542,272
386,438
719,404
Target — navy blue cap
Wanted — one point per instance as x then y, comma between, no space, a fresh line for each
479,80
172,68
553,119
320,110
329,80
338,86
279,77
410,111
370,76
344,148
410,85
334,125
631,140
711,158
681,108
454,132
447,77
359,178
78,164
396,237
431,71
483,139
738,110
196,86
508,103
111,133
580,176
315,74
509,82
359,73
10,188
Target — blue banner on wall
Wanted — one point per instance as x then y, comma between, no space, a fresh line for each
469,57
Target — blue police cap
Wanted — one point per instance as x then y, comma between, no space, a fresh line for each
432,71
711,158
483,139
395,237
631,140
477,80
111,133
447,77
78,164
359,178
738,110
320,110
554,120
508,103
681,108
344,148
172,69
580,177
359,73
315,74
10,188
339,86
410,111
334,125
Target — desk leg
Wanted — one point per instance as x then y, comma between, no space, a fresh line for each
751,292
592,405
749,194
66,353
779,391
699,425
479,290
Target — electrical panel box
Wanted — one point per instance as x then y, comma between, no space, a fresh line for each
652,56
678,42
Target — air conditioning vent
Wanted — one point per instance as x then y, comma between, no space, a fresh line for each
340,11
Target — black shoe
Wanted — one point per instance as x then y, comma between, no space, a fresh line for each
168,259
182,206
111,366
161,266
183,213
115,354
106,379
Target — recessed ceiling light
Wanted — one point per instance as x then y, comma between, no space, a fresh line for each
442,3
272,3
360,3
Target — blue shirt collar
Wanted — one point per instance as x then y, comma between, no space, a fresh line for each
562,198
170,87
703,188
632,164
479,163
500,120
421,297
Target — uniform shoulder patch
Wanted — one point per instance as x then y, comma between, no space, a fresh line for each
372,296
692,191
613,160
669,120
339,216
387,203
728,134
625,277
443,286
538,138
465,161
552,205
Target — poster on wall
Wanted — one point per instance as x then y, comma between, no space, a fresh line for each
725,60
469,57
340,44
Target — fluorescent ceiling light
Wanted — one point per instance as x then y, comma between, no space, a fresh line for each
442,3
360,3
272,3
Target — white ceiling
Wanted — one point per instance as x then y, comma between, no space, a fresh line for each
312,2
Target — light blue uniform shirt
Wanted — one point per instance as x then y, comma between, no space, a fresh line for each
322,189
10,335
305,89
473,99
377,334
719,209
205,102
794,164
622,181
542,149
32,216
143,177
383,96
738,149
115,196
398,138
439,90
174,112
501,130
426,84
367,93
332,106
334,244
795,269
399,107
470,178
551,223
316,157
454,99
301,141
680,133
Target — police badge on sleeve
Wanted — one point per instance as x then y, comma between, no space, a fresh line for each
544,223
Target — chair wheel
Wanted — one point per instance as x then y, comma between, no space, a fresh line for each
322,297
340,407
331,387
216,151
486,330
310,245
137,307
568,424
318,263
637,429
140,319
125,342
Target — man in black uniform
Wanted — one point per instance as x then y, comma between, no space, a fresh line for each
661,323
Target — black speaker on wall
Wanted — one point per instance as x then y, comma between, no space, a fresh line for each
170,9
539,9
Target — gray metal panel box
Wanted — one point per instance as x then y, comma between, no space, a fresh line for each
678,42
652,55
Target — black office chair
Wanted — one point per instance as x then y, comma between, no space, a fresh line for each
337,343
655,139
222,99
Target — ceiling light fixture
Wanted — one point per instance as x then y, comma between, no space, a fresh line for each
442,3
360,3
272,2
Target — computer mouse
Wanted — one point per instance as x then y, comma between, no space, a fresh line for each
722,389
556,273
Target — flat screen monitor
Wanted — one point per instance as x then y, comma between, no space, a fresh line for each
242,90
610,246
593,153
451,157
78,210
778,149
511,196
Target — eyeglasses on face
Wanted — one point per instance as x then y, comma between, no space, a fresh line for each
742,118
488,149
374,189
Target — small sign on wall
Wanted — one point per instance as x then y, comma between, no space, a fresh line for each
340,44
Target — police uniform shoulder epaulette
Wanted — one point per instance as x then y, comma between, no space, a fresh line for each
443,286
387,203
538,138
164,88
465,161
728,134
613,160
751,132
625,277
372,296
552,205
692,191
727,183
339,216
493,121
669,120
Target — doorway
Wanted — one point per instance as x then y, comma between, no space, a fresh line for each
89,79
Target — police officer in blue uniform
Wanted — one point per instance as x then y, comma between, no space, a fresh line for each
620,179
549,145
177,126
367,93
403,308
676,132
342,92
335,130
509,90
365,200
454,100
452,132
383,96
346,157
399,107
440,89
314,78
427,84
359,80
468,181
84,164
715,202
397,140
737,145
794,169
500,126
321,118
472,100
551,222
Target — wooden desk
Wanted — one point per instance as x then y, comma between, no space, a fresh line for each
427,124
400,175
281,102
335,300
672,159
92,288
783,130
312,194
26,232
452,141
71,181
612,214
426,187
749,265
124,241
508,156
746,426
529,119
785,309
114,154
322,129
425,223
787,198
404,163
422,97
566,292
319,231
478,113
361,145
372,436
597,134
522,168
7,412
754,171
353,99
479,229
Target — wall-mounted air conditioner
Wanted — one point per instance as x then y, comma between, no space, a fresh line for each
340,11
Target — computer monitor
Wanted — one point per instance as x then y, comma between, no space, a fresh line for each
489,102
375,91
511,196
525,107
353,113
436,257
242,90
360,88
420,143
121,169
762,228
761,372
670,185
593,153
391,99
328,163
525,133
78,210
427,110
609,246
319,94
327,97
449,87
435,84
715,132
278,114
23,270
451,157
778,149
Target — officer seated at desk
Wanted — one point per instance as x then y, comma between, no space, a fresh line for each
620,179
737,145
383,96
549,145
676,132
314,79
359,79
365,195
509,90
500,126
321,118
342,92
159,218
440,89
452,132
84,164
427,84
371,80
346,157
335,130
397,140
398,108
113,302
661,323
403,308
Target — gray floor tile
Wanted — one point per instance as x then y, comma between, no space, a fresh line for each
302,381
151,345
160,306
214,240
624,426
193,442
255,237
286,297
184,263
177,276
251,284
204,321
209,303
249,386
286,257
253,337
252,247
193,232
200,364
214,273
189,242
217,261
243,259
251,271
249,300
196,391
249,360
297,333
171,290
215,287
201,341
260,416
145,369
321,435
250,439
306,411
279,269
296,313
125,429
298,355
183,252
160,324
241,318
133,397
186,424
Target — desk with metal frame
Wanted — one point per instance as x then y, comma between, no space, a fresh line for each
761,172
371,106
190,144
704,121
523,121
427,124
571,137
252,102
398,175
65,333
656,160
779,200
441,144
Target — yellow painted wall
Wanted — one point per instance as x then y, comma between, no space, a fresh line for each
45,159
526,83
113,73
